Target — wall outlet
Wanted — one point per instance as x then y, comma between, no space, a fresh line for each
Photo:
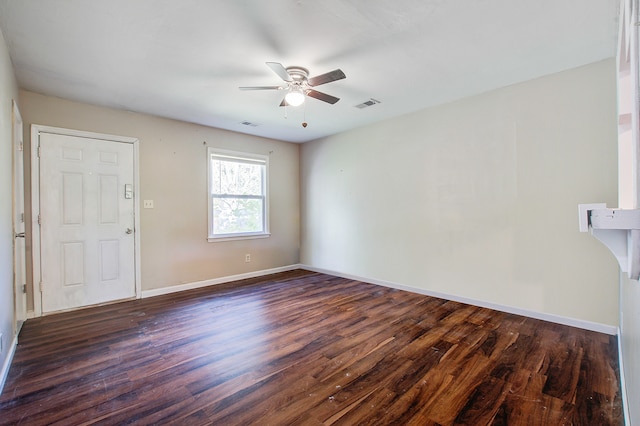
247,258
147,204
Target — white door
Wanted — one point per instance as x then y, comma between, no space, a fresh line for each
87,221
19,255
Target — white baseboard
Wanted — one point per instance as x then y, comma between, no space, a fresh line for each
572,322
7,363
198,284
586,325
623,385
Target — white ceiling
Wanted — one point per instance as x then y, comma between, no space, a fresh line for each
185,59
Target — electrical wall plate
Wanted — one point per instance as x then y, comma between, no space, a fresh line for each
128,191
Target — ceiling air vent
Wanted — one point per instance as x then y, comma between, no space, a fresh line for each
248,123
368,103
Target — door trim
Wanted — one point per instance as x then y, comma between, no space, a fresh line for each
36,130
18,202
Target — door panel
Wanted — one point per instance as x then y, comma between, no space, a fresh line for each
73,263
72,198
87,254
108,200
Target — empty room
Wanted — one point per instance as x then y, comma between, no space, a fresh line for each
294,212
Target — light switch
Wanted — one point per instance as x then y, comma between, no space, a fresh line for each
147,204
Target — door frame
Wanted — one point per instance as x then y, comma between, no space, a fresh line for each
19,277
36,130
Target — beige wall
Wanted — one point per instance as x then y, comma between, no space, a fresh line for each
476,198
173,173
8,92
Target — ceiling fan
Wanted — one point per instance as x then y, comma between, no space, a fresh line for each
299,84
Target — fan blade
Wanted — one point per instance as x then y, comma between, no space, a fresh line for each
280,70
326,78
261,88
322,96
284,102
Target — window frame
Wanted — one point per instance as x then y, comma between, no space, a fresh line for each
240,157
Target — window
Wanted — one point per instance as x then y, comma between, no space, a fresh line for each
237,195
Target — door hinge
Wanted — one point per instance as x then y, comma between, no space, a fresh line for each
39,221
41,287
38,151
21,217
24,288
21,146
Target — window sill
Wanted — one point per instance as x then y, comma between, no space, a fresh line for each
223,238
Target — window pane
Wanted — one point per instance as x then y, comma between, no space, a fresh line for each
236,178
232,215
238,201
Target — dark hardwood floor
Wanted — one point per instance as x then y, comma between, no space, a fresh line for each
303,348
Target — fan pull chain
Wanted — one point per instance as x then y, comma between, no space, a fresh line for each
304,114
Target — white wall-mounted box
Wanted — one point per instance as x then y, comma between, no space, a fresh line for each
618,230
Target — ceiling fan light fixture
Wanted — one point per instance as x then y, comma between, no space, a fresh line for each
299,85
295,97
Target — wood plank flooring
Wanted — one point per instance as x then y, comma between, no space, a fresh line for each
302,348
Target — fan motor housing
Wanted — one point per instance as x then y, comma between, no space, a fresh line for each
298,74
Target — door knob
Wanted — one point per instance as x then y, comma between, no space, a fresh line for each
129,231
